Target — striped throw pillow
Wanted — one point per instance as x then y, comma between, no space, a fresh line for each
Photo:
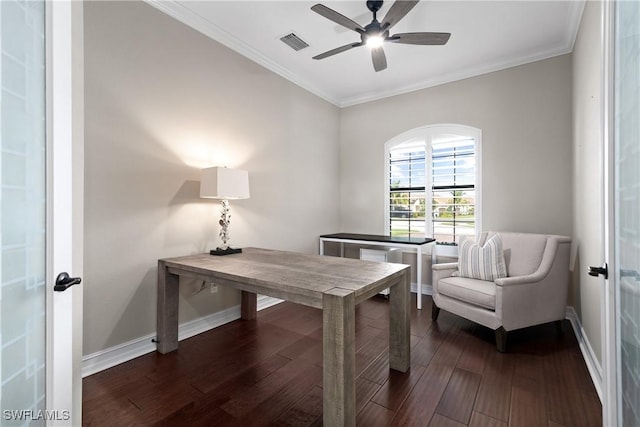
482,262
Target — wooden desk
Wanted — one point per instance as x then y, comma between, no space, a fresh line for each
414,243
332,284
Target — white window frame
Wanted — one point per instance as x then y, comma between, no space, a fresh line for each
427,134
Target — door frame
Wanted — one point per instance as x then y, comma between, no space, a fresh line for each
610,306
65,187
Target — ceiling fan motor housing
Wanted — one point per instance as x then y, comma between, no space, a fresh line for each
374,5
374,29
375,33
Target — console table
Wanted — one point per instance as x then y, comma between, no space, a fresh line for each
335,285
415,243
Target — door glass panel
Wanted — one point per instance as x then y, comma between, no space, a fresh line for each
22,213
627,148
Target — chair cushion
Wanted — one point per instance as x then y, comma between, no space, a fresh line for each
482,262
472,291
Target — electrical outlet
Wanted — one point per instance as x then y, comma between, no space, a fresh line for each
213,288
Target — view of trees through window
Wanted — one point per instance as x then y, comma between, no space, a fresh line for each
445,175
407,190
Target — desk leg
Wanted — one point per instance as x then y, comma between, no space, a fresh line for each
167,310
339,354
248,305
400,324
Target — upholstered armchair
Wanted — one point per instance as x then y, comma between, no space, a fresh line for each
533,292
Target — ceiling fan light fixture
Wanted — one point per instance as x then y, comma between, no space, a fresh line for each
374,41
376,33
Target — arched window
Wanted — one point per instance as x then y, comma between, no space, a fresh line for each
433,183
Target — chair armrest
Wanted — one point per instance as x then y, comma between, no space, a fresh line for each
440,271
522,280
548,259
538,297
445,266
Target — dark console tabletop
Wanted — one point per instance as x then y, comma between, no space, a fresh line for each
379,238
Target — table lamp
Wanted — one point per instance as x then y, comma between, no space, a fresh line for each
224,184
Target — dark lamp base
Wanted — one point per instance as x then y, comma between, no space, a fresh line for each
228,251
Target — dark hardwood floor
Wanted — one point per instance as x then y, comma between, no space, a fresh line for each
269,372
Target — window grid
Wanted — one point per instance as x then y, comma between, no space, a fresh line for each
451,167
453,190
407,192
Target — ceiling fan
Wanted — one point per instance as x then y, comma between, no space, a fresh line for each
376,33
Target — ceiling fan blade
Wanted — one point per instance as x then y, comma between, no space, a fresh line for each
379,59
420,38
397,11
337,50
336,17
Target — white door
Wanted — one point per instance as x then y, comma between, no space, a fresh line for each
621,403
39,328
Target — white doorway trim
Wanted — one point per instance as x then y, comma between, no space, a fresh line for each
609,300
64,152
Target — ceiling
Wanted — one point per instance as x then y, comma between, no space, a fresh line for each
486,36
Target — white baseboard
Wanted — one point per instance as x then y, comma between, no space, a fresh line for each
124,352
595,370
105,359
121,353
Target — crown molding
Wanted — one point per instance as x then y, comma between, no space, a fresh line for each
571,33
211,30
453,77
575,17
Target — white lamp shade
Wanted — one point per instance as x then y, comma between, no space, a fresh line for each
224,183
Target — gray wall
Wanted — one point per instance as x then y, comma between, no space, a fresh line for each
588,244
162,102
525,117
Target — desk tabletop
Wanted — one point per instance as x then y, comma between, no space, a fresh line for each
307,277
379,238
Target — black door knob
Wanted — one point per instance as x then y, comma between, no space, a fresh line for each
64,282
596,271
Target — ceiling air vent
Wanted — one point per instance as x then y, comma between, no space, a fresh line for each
294,42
